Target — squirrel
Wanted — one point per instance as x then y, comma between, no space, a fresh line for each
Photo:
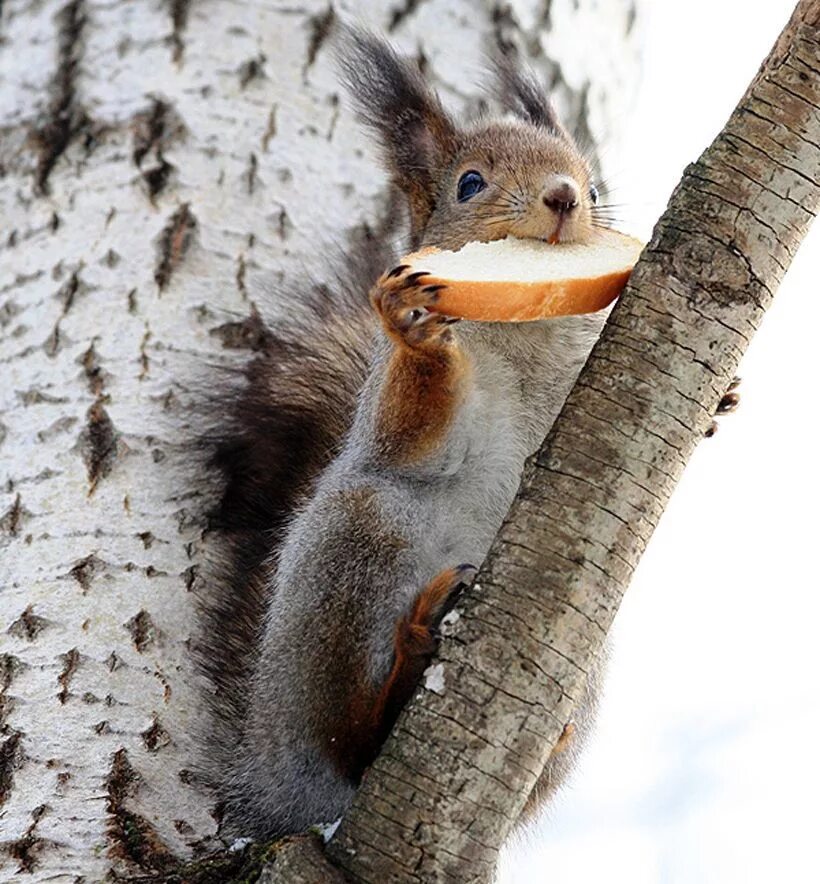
374,451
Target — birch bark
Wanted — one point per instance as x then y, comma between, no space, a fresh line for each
156,160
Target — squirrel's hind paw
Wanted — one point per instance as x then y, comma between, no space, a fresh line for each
727,404
416,638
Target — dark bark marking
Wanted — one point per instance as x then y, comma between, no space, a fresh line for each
319,26
270,129
71,661
9,667
156,178
155,737
190,575
66,294
25,849
252,69
8,310
144,361
98,444
179,19
28,625
174,242
241,270
283,224
142,629
14,517
52,344
166,688
132,836
401,12
251,173
154,130
250,333
11,757
69,290
94,374
64,118
86,570
333,100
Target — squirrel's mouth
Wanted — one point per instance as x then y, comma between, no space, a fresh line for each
556,234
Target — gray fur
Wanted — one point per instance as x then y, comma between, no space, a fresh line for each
332,568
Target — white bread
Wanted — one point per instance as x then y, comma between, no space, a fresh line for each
515,280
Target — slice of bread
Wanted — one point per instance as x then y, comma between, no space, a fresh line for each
516,280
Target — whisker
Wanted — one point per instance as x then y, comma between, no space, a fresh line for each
515,196
497,214
500,202
512,172
500,206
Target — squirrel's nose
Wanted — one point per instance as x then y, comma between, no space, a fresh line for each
560,194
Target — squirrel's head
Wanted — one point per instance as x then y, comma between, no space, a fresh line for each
522,176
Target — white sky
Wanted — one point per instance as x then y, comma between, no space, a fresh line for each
704,768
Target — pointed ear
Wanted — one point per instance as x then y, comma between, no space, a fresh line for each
519,91
417,136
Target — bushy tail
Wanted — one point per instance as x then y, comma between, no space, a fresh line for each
276,426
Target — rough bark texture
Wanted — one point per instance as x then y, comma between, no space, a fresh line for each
156,158
457,770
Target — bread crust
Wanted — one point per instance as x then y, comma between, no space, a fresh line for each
506,300
511,301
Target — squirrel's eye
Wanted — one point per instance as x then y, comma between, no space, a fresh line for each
469,185
593,194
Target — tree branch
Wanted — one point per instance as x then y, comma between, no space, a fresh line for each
455,773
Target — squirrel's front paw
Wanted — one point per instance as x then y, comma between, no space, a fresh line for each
404,304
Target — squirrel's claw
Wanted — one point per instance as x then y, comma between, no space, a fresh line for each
404,304
727,404
413,278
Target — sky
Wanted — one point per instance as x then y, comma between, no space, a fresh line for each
703,768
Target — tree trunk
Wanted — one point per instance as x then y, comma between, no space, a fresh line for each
155,159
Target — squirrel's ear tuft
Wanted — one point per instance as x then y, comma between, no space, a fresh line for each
392,97
520,92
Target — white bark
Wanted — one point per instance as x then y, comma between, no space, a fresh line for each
155,159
